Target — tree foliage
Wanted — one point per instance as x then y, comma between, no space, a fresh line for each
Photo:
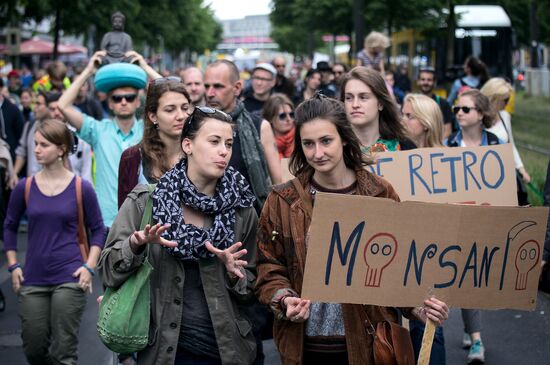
179,24
294,20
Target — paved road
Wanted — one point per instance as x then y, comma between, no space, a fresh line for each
510,337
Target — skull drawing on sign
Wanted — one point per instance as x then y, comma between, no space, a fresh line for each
378,254
527,259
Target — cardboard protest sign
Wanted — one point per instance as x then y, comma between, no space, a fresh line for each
472,175
377,251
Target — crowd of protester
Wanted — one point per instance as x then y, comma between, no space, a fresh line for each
213,143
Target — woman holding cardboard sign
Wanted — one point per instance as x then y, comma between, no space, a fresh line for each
327,157
424,121
474,114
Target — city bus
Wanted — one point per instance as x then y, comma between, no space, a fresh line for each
484,31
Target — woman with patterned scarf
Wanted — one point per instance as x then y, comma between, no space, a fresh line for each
202,247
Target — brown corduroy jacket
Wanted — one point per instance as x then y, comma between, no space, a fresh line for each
283,225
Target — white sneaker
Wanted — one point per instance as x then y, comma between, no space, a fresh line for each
477,353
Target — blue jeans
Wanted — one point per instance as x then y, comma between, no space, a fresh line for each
438,355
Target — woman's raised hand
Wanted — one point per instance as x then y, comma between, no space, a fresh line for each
152,235
231,258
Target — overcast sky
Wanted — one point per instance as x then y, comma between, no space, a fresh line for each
236,9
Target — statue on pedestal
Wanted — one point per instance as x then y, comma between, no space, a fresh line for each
116,43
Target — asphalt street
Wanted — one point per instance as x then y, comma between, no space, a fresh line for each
510,337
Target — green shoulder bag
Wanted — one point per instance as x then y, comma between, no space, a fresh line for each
124,313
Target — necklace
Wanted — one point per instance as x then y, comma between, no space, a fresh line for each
52,189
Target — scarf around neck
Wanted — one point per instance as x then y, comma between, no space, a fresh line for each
285,143
252,152
174,190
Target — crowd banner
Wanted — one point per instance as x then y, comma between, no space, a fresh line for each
376,251
468,175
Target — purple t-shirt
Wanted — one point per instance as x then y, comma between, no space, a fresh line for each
53,254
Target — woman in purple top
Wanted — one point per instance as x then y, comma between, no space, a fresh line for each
53,283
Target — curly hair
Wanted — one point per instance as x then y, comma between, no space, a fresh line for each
152,147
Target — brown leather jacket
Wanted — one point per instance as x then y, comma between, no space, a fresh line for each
281,261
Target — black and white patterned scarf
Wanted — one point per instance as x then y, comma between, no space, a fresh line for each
174,190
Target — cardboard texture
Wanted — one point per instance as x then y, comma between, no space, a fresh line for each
471,175
376,251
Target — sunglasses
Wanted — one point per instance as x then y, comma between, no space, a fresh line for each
283,116
128,97
165,80
465,109
279,66
205,110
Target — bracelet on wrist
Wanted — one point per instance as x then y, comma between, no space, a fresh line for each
90,270
14,266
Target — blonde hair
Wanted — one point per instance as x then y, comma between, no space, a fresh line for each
497,89
428,113
376,40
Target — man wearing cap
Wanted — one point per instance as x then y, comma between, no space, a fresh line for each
426,83
328,87
110,137
263,80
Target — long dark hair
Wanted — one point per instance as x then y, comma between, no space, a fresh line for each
390,126
478,69
154,150
322,107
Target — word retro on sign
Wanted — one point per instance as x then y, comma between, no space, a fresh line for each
394,254
474,175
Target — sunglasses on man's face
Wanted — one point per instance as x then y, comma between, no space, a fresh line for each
465,109
283,116
128,97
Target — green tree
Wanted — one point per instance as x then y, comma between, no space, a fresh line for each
179,24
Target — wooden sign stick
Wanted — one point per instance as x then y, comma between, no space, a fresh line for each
427,341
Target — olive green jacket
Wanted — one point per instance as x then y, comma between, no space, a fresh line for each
225,301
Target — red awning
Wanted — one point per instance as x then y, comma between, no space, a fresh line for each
39,46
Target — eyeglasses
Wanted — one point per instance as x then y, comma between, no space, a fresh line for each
261,78
167,79
283,116
465,109
338,72
128,97
279,66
